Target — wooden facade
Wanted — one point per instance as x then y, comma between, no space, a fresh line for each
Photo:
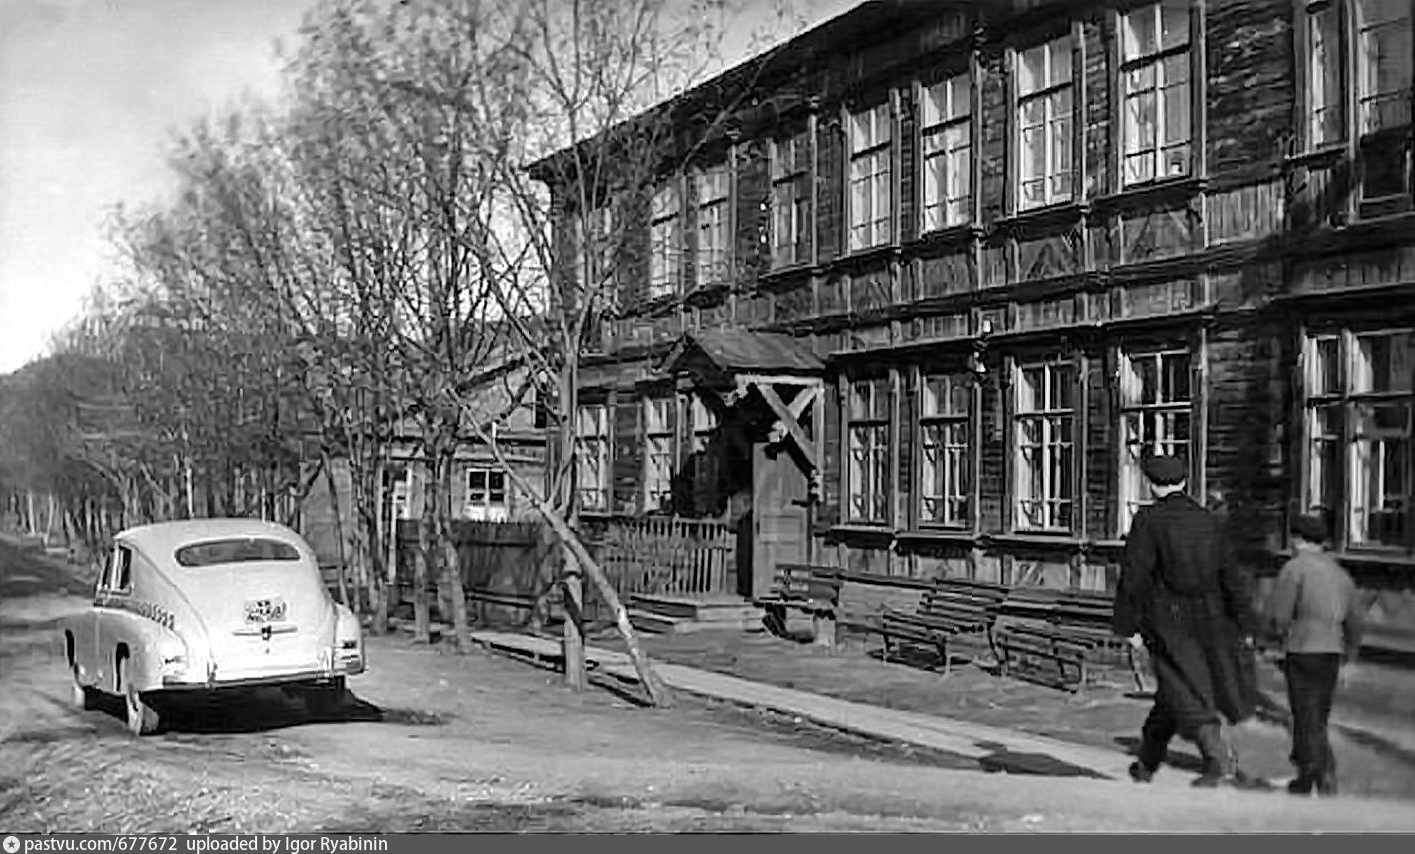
1030,243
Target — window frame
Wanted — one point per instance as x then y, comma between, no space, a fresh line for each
712,261
793,176
1126,356
1045,93
967,518
488,508
591,248
1345,401
880,152
665,277
1192,50
120,582
931,127
599,439
876,501
658,480
1072,439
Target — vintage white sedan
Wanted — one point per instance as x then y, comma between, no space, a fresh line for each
208,604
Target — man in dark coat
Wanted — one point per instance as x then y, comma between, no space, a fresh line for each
1183,596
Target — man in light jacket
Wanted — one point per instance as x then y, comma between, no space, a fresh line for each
1316,610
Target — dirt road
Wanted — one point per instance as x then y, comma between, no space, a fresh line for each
439,741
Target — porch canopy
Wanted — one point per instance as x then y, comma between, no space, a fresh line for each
729,364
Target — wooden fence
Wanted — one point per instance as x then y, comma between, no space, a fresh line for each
671,557
685,558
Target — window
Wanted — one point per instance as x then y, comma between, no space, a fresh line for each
592,456
868,416
870,177
658,455
664,241
1359,403
790,201
1155,84
1044,431
487,498
1156,417
1326,116
1044,124
947,143
223,552
592,248
713,249
945,488
1384,64
123,575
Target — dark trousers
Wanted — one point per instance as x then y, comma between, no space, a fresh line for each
1311,683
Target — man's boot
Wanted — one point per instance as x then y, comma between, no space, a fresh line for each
1219,762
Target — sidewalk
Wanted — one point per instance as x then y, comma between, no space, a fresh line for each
1093,731
993,748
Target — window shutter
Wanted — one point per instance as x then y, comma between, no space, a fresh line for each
830,190
828,511
753,185
908,164
906,501
628,463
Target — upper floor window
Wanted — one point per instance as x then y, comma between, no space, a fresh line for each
1044,439
658,454
1154,74
871,197
713,224
867,416
790,201
945,487
592,456
487,497
947,138
1383,63
1156,414
593,248
1045,124
1360,396
1382,48
665,240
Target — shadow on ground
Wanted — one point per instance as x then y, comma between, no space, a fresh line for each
231,711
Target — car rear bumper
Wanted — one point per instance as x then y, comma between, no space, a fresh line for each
239,680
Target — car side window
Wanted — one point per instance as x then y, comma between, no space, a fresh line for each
104,575
122,582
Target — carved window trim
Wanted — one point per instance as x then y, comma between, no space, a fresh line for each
1050,89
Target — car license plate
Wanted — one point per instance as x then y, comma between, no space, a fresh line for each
265,610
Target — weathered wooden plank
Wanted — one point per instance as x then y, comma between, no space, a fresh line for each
1245,213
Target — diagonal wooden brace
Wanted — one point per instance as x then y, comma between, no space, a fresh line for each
789,422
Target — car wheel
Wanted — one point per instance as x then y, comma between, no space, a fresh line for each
82,695
323,701
142,718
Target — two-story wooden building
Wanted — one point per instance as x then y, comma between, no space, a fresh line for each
954,269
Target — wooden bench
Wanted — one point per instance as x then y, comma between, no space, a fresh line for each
813,590
480,598
949,609
1070,628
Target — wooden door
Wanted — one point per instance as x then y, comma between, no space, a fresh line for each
780,513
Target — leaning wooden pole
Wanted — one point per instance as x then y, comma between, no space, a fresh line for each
658,693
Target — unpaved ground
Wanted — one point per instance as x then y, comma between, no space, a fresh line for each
1377,760
445,742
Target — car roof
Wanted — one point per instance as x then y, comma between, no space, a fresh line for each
167,537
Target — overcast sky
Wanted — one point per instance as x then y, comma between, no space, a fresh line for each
90,93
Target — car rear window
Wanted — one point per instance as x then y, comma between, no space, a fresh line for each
239,550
